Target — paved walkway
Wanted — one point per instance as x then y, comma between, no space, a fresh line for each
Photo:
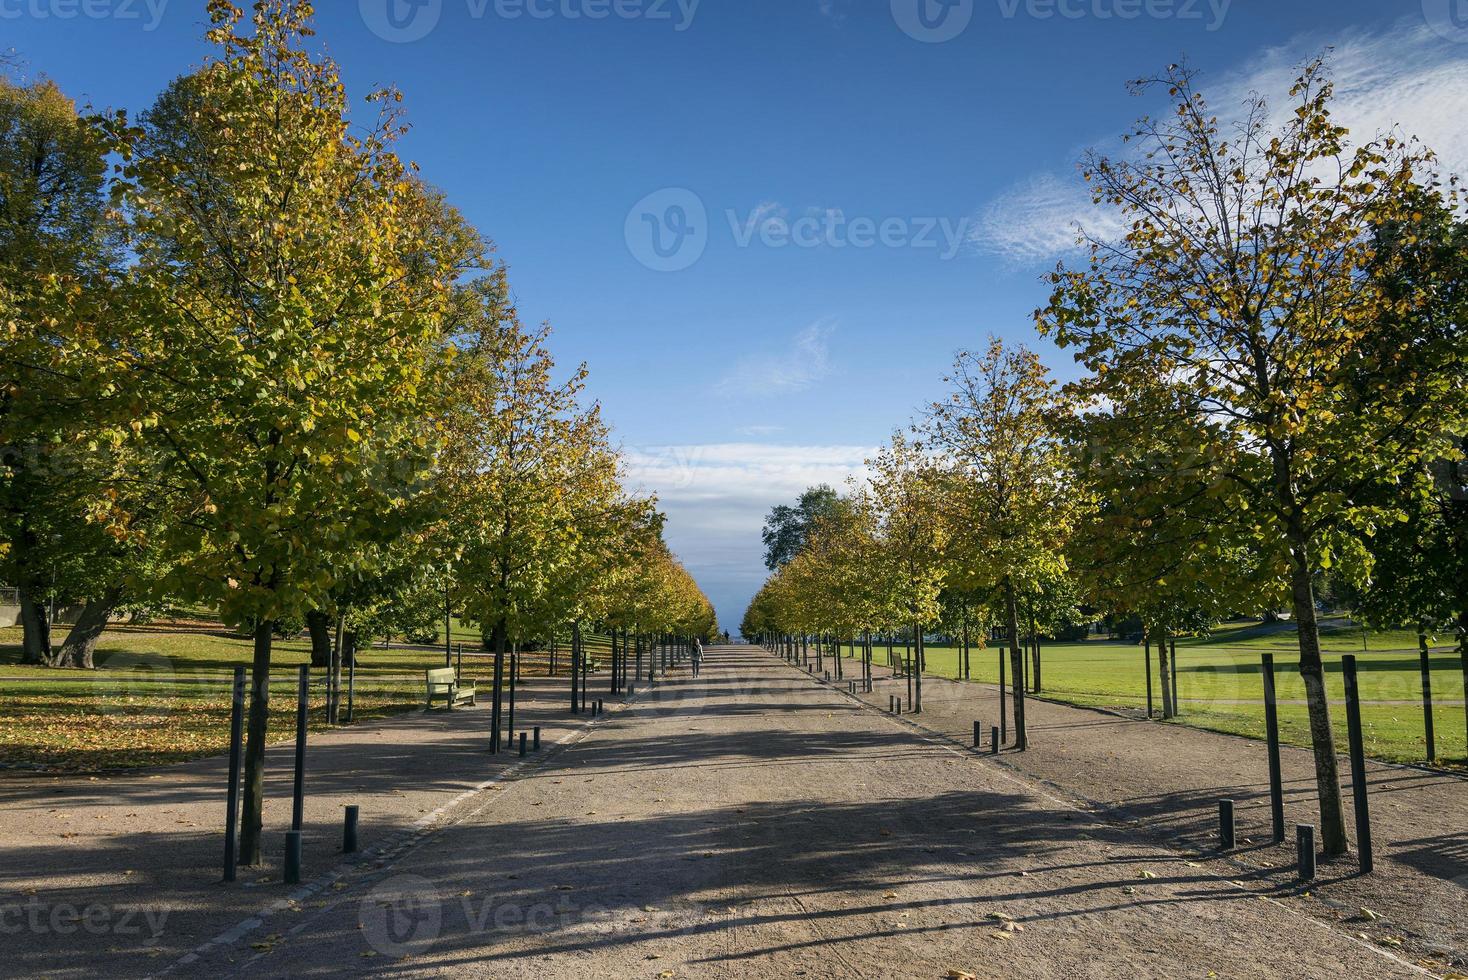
1166,781
754,823
142,853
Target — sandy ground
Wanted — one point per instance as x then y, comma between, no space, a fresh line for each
756,823
119,875
1165,781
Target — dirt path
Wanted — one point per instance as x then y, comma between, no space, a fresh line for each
755,824
119,875
1166,781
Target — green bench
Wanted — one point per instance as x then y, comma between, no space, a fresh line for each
443,685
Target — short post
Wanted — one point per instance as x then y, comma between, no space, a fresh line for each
232,805
994,741
1358,763
537,738
524,740
1305,845
352,680
1271,737
891,705
349,830
303,698
1427,725
1147,659
1176,710
1003,714
292,872
978,734
1227,836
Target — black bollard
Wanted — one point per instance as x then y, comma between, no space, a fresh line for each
303,700
292,871
524,742
1305,845
1358,763
537,739
993,741
978,734
349,830
1271,739
232,805
1227,836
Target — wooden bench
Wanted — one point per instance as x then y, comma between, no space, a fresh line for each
443,685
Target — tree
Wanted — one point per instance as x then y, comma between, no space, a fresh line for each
905,492
526,466
57,249
1005,499
1249,280
286,299
787,528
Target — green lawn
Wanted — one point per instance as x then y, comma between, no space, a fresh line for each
1221,688
161,694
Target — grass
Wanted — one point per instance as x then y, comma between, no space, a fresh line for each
161,695
1220,684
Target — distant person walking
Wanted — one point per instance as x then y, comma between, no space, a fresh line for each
697,657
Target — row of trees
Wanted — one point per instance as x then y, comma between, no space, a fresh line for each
1274,363
252,360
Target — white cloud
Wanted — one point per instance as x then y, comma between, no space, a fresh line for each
1406,79
807,361
716,497
1041,219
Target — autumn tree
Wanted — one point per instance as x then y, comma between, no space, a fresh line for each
1249,279
287,295
1006,498
57,253
905,495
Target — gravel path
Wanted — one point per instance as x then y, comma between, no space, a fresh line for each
1166,780
754,823
119,875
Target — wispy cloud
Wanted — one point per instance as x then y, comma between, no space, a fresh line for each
717,496
806,361
1407,80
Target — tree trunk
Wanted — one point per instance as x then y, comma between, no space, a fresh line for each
1017,666
36,623
81,643
1312,672
496,713
251,819
917,689
319,626
1165,673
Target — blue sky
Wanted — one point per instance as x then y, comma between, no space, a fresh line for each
843,192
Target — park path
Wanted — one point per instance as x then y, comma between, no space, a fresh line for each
754,823
141,853
1166,780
